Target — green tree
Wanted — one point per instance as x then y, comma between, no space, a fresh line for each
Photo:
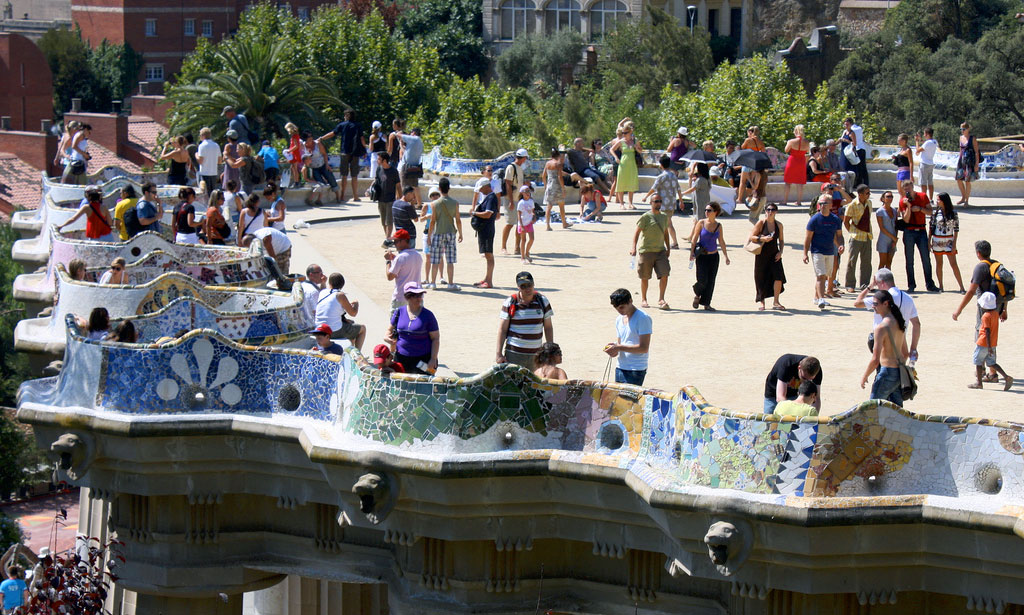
259,78
655,52
68,57
931,22
116,68
539,58
453,27
753,91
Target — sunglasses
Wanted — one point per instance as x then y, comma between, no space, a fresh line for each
525,286
116,268
770,209
319,333
657,201
708,209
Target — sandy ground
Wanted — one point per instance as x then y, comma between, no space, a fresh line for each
725,354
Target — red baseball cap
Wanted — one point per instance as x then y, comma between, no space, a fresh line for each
381,353
323,328
401,234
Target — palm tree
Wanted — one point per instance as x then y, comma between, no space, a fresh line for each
258,78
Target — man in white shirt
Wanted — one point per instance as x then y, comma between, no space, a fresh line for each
333,306
884,280
926,162
208,156
311,288
275,243
515,176
403,267
632,346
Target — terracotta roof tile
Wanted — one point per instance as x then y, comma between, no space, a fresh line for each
20,183
103,157
143,132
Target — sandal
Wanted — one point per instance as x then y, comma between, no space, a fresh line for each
644,304
778,306
974,385
760,308
696,302
990,378
674,246
1008,384
663,305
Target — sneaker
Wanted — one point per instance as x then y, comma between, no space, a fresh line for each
428,286
824,304
453,287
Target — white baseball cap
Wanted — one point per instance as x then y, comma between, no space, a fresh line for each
987,301
376,124
522,153
480,183
525,188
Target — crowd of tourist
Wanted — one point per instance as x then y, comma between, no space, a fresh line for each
842,221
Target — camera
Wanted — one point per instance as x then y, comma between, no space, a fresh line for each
389,243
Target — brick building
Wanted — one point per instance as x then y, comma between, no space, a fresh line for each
164,31
27,93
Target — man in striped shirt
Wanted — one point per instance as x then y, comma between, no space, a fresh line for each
525,324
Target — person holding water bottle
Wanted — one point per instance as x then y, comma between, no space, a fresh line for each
654,251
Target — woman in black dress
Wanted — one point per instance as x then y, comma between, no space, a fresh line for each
769,276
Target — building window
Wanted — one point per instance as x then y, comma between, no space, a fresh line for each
561,14
190,27
303,13
208,28
517,17
735,23
150,27
713,22
154,72
604,15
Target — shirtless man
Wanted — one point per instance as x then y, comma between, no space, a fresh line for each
889,349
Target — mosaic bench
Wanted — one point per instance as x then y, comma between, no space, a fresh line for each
670,441
35,249
171,302
148,255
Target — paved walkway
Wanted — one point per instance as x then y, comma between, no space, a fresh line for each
36,518
726,354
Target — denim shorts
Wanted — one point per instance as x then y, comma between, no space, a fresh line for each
983,355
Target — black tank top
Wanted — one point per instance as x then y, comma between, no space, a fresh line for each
181,218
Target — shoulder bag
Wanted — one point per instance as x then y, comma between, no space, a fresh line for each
908,376
754,247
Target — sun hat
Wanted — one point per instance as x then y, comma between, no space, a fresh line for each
683,131
525,188
987,301
413,287
522,153
323,328
433,191
480,183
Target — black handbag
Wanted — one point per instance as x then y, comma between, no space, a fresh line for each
77,167
639,159
374,190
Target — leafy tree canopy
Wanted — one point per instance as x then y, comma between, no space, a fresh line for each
753,91
931,22
654,52
97,76
539,58
453,27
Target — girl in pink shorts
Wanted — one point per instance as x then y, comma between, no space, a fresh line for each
525,210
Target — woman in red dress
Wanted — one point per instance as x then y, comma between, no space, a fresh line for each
796,164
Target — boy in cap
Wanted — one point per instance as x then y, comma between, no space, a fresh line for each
485,213
324,343
384,361
985,350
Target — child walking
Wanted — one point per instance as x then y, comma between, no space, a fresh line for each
525,210
985,351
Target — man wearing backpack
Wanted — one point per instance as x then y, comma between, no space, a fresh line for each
981,282
240,124
148,210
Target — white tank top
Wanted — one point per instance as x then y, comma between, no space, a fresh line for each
246,220
82,145
328,310
279,225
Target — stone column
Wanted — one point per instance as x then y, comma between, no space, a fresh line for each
145,604
270,601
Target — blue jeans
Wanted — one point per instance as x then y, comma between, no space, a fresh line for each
323,175
887,385
593,174
920,240
630,376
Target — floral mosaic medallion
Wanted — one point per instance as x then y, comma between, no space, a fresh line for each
195,392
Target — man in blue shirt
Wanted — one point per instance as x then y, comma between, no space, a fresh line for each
270,161
149,209
634,328
353,148
14,589
239,123
824,239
